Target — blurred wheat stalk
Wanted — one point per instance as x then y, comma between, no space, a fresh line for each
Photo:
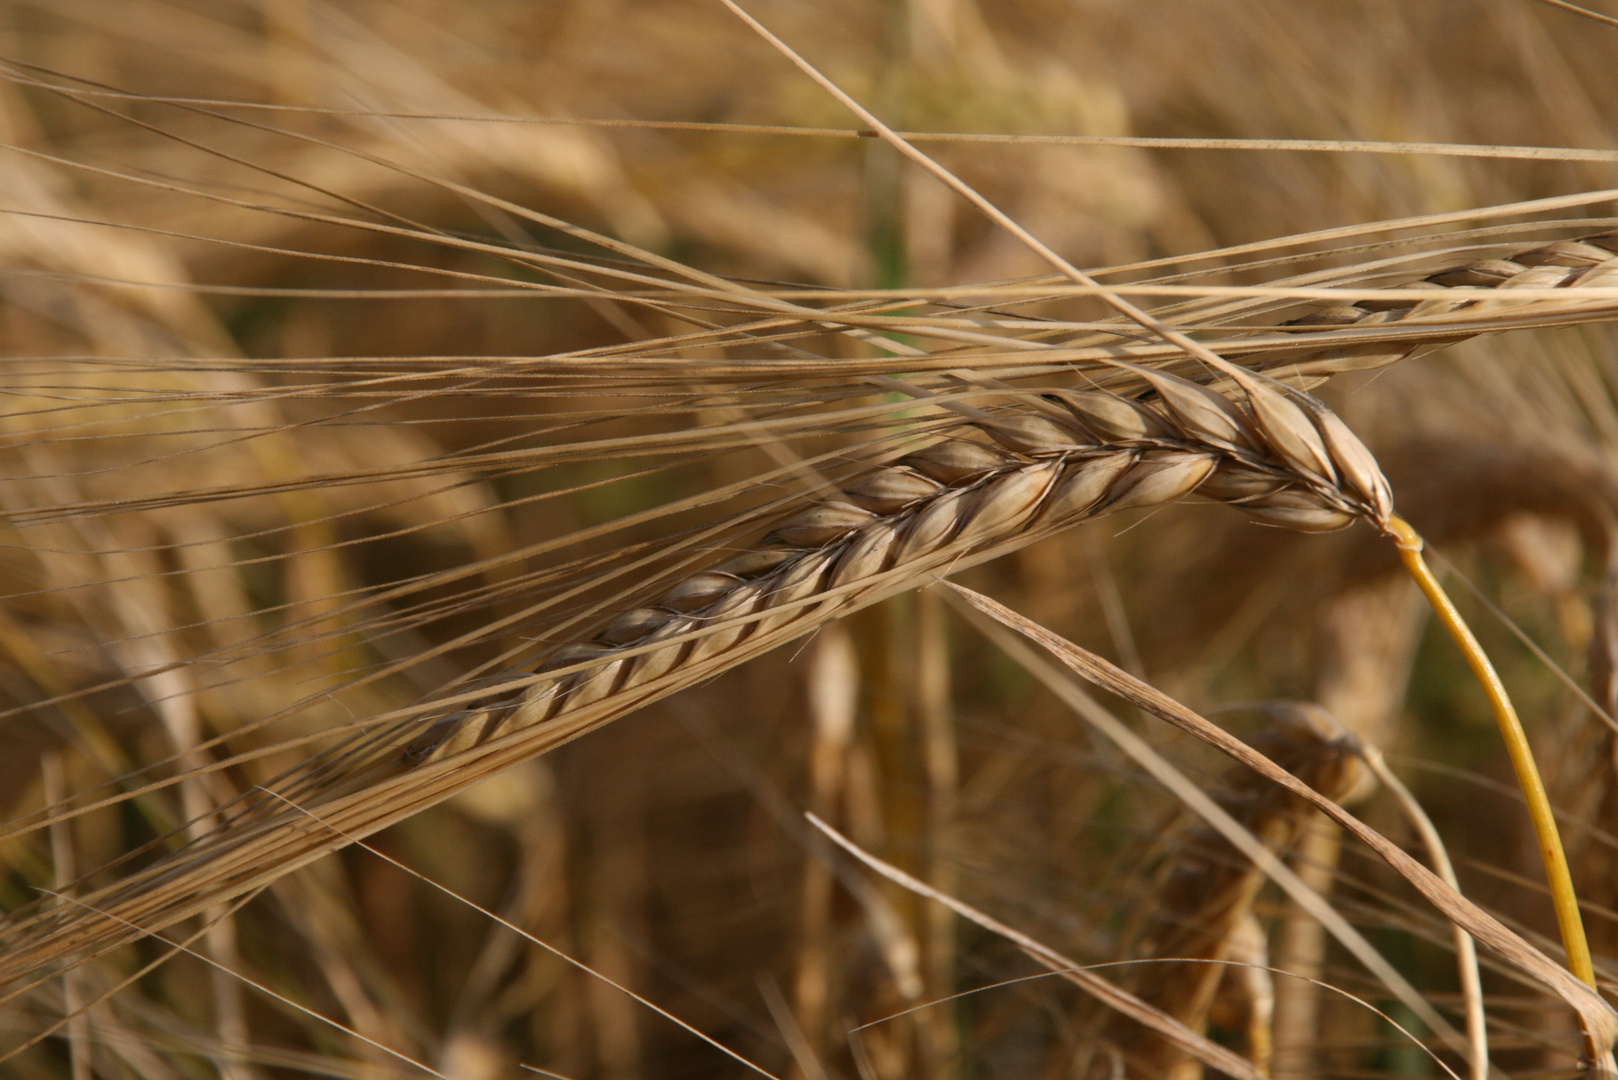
356,457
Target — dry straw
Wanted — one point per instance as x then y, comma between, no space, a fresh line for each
1281,456
1048,423
1552,268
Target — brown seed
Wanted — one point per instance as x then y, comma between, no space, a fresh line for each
1006,499
822,524
1355,464
933,526
1288,430
1452,300
461,731
1539,277
1338,315
1486,274
889,490
1035,434
1400,307
795,581
1604,276
866,555
954,460
654,663
444,737
1113,419
1084,484
1300,509
1160,477
590,685
1232,481
1201,413
1563,253
756,563
568,655
633,625
698,591
736,603
537,704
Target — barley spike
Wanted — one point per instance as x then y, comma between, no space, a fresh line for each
1275,455
994,484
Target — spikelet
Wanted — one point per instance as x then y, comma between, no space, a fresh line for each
957,502
1277,454
1461,296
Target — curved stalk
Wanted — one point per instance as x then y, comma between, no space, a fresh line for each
1563,897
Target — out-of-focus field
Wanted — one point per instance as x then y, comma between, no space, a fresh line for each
259,461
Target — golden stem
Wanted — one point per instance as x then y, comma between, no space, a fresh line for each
1563,898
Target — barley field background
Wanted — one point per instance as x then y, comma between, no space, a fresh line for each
540,541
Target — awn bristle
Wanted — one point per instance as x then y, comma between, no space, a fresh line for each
1280,456
1589,262
1284,459
1586,263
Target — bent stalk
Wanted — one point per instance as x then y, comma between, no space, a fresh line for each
1563,897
